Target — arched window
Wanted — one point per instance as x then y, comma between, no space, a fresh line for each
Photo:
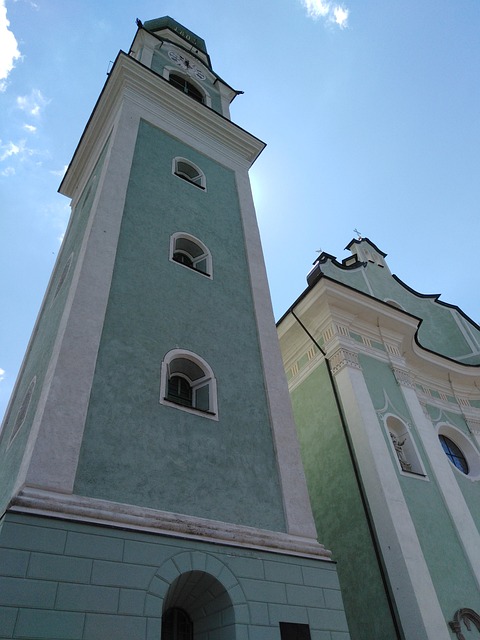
187,382
191,252
404,447
187,87
188,171
176,625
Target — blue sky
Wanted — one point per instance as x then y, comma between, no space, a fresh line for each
370,110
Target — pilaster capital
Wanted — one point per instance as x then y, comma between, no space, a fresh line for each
424,409
344,358
473,425
404,377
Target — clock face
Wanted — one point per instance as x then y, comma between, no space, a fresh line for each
186,65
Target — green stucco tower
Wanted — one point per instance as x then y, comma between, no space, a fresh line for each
151,480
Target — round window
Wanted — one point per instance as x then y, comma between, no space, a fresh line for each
454,454
460,450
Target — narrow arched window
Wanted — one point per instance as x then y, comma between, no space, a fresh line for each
187,87
176,625
191,252
188,171
187,382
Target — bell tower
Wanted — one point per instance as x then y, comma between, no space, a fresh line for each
151,412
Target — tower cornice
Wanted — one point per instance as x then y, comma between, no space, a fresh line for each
131,80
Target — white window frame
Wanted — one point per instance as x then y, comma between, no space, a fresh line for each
208,378
465,445
401,430
202,182
206,255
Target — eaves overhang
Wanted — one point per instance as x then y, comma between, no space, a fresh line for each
129,74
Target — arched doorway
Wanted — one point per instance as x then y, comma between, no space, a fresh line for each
195,605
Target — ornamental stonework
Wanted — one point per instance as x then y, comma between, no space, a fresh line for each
404,378
467,616
344,358
474,426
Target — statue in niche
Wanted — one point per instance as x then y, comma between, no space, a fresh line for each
398,444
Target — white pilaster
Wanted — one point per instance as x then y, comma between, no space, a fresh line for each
410,580
298,512
57,432
445,476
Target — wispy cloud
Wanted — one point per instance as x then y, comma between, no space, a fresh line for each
2,374
9,51
10,149
7,172
33,103
30,128
57,213
18,149
60,172
329,11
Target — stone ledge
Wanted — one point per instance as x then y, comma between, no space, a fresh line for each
125,516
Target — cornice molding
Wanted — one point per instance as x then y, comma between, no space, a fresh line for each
130,80
331,301
125,516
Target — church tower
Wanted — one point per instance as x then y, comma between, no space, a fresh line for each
150,473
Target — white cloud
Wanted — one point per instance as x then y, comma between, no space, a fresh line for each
18,149
30,128
32,104
316,8
60,172
6,173
9,51
331,12
2,374
340,15
8,150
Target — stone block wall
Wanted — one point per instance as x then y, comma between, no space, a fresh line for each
68,580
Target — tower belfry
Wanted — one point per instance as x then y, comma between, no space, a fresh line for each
151,473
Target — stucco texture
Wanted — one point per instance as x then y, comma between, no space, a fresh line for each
136,450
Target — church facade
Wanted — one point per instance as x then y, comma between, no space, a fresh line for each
151,479
385,390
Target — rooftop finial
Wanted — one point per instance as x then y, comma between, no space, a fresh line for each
359,235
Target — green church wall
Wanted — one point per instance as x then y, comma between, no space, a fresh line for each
451,574
78,581
136,450
337,506
468,487
438,539
38,356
